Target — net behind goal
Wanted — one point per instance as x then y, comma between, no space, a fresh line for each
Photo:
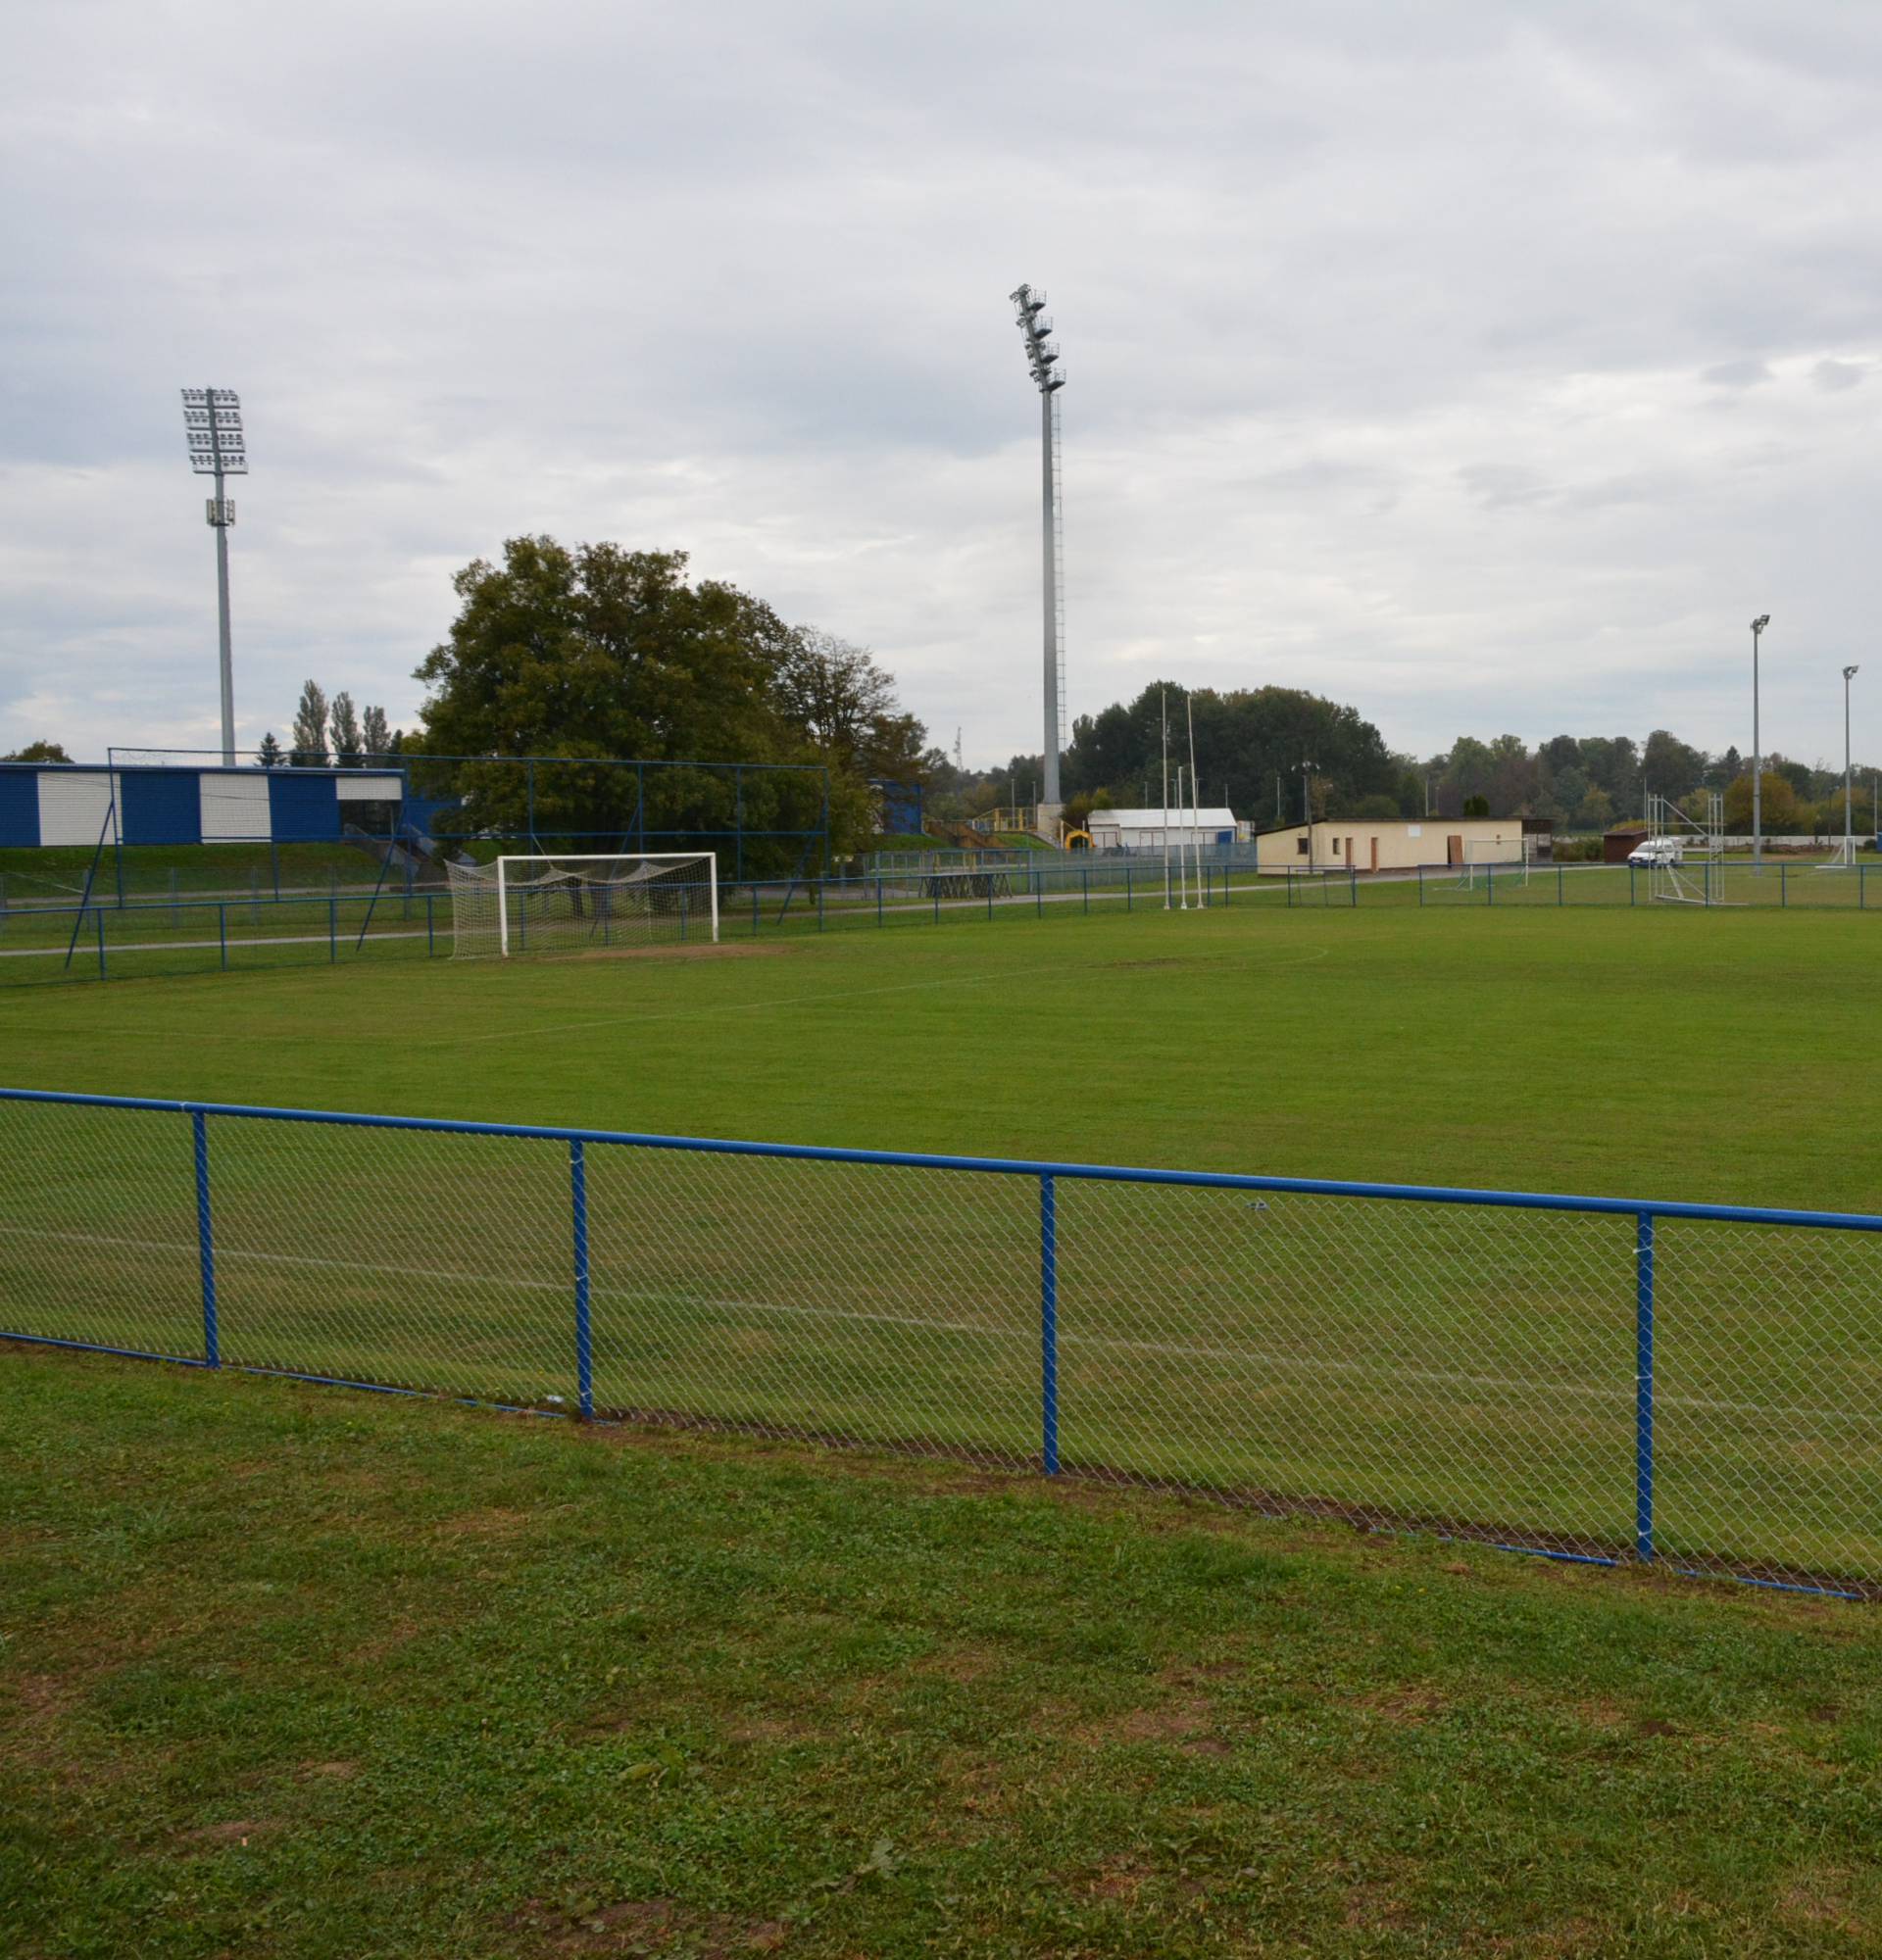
583,904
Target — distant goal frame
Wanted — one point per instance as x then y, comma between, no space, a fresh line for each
498,872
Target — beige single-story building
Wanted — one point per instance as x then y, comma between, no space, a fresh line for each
1403,844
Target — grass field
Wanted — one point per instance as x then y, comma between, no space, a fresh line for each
1711,1055
297,1671
310,1675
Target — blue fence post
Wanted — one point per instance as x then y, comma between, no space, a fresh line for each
584,1334
1049,1324
206,1241
1643,1387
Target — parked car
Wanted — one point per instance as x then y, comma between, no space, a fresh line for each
1655,852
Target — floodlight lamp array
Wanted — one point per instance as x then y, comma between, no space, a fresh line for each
1042,353
213,429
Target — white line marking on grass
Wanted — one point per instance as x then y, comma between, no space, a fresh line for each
1619,1391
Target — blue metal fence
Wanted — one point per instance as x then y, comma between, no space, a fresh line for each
1600,1379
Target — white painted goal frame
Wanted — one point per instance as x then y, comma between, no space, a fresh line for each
500,884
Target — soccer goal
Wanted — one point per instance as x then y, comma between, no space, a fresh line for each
1504,861
583,904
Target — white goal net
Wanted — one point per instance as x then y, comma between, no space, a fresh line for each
583,904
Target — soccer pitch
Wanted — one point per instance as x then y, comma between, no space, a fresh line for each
1722,1057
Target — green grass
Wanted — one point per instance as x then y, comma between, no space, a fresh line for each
1681,1054
1458,1368
297,1674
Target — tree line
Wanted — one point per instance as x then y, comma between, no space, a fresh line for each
1271,753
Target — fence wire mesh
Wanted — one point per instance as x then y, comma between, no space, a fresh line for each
1693,1385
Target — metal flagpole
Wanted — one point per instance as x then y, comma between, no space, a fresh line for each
1164,701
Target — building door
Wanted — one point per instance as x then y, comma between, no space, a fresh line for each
1375,850
1454,850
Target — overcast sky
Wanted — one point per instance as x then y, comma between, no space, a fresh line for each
1485,366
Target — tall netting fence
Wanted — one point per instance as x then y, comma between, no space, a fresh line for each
1698,1386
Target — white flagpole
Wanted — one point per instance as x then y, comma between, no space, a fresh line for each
1195,800
1164,699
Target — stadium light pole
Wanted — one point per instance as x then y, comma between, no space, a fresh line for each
1042,357
1848,774
1758,625
213,428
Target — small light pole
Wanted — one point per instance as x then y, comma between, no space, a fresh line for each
213,428
1849,776
1758,625
1307,810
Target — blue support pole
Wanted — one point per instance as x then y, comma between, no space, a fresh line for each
584,1334
206,1241
1643,1387
1048,1325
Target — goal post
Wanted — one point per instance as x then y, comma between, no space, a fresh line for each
582,904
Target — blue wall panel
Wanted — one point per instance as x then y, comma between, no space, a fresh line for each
19,805
161,807
303,808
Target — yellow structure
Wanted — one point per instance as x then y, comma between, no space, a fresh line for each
1400,843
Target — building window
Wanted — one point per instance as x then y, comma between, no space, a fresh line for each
1300,845
1336,847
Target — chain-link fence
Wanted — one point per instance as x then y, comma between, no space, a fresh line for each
1592,1377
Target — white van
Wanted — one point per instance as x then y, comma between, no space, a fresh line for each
1655,852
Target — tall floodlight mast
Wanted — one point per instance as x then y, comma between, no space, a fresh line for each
213,427
1042,357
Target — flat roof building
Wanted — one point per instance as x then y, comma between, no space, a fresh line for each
1403,844
1146,829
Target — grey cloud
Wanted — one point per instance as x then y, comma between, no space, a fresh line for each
734,280
1834,377
1738,374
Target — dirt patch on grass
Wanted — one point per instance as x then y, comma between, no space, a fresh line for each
237,1830
1174,1721
643,1926
499,1521
1409,1707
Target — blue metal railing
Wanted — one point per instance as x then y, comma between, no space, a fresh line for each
1051,1177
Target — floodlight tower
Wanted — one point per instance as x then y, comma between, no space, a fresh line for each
1042,356
213,428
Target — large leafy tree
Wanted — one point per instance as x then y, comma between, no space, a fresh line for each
595,653
38,752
